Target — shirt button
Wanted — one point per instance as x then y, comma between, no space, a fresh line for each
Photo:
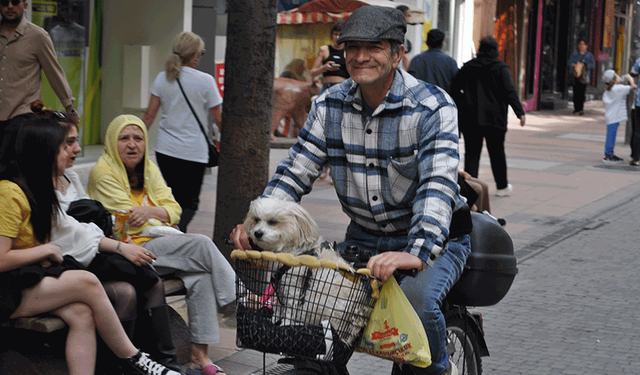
369,131
383,226
371,165
374,198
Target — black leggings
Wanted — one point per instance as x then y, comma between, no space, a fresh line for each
185,180
579,93
635,134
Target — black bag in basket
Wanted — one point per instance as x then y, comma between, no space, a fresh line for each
256,331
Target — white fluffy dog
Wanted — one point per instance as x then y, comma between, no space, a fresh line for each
305,295
281,226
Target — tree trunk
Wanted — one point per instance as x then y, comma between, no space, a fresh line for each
246,119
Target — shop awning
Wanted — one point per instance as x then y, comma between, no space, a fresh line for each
330,11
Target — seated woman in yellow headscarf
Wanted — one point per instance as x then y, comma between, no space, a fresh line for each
126,179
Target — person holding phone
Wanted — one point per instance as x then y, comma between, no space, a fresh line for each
330,61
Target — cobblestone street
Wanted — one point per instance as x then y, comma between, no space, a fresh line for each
574,307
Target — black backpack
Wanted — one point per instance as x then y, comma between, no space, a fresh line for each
92,211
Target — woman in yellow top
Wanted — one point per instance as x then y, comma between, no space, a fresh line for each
34,276
126,179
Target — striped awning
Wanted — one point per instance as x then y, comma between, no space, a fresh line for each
294,18
330,11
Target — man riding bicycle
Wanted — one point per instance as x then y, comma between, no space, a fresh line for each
391,142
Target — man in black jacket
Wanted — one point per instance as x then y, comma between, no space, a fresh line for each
483,90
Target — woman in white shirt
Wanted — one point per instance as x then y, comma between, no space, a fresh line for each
181,148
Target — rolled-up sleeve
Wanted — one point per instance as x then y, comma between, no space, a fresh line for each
53,70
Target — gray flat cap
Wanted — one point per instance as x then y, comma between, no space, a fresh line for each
374,24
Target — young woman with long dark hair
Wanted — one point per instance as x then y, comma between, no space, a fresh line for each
35,277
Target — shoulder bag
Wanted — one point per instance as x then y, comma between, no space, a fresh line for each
580,71
213,151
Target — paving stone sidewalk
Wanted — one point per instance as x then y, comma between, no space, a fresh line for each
574,307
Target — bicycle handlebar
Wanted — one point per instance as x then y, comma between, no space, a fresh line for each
359,259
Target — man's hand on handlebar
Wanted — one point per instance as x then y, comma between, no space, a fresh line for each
383,265
240,238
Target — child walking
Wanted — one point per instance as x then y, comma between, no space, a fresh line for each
614,99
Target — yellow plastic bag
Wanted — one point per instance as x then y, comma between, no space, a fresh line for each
395,331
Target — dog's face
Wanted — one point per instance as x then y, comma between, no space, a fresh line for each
280,226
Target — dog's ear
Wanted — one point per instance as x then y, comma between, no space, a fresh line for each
251,214
307,227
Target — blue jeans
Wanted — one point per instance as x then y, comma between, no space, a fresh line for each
612,130
426,291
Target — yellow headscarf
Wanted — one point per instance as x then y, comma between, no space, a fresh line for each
109,184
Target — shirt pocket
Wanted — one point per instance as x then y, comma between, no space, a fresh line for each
403,179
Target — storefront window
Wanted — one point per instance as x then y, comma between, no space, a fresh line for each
444,24
581,28
621,36
65,22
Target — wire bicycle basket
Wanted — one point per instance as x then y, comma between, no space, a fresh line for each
301,306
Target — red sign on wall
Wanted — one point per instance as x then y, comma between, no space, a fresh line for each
220,78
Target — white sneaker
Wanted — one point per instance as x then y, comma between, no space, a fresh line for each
505,192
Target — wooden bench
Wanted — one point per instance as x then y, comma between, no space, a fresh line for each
35,345
49,323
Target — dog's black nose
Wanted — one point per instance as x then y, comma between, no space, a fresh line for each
258,234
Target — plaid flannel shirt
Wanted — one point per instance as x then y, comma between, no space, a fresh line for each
393,170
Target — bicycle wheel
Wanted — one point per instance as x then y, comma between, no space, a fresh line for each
462,346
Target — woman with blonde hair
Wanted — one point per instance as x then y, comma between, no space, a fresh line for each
186,96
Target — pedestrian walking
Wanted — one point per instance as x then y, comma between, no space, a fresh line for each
615,104
182,150
434,66
26,50
407,43
483,91
635,123
580,65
